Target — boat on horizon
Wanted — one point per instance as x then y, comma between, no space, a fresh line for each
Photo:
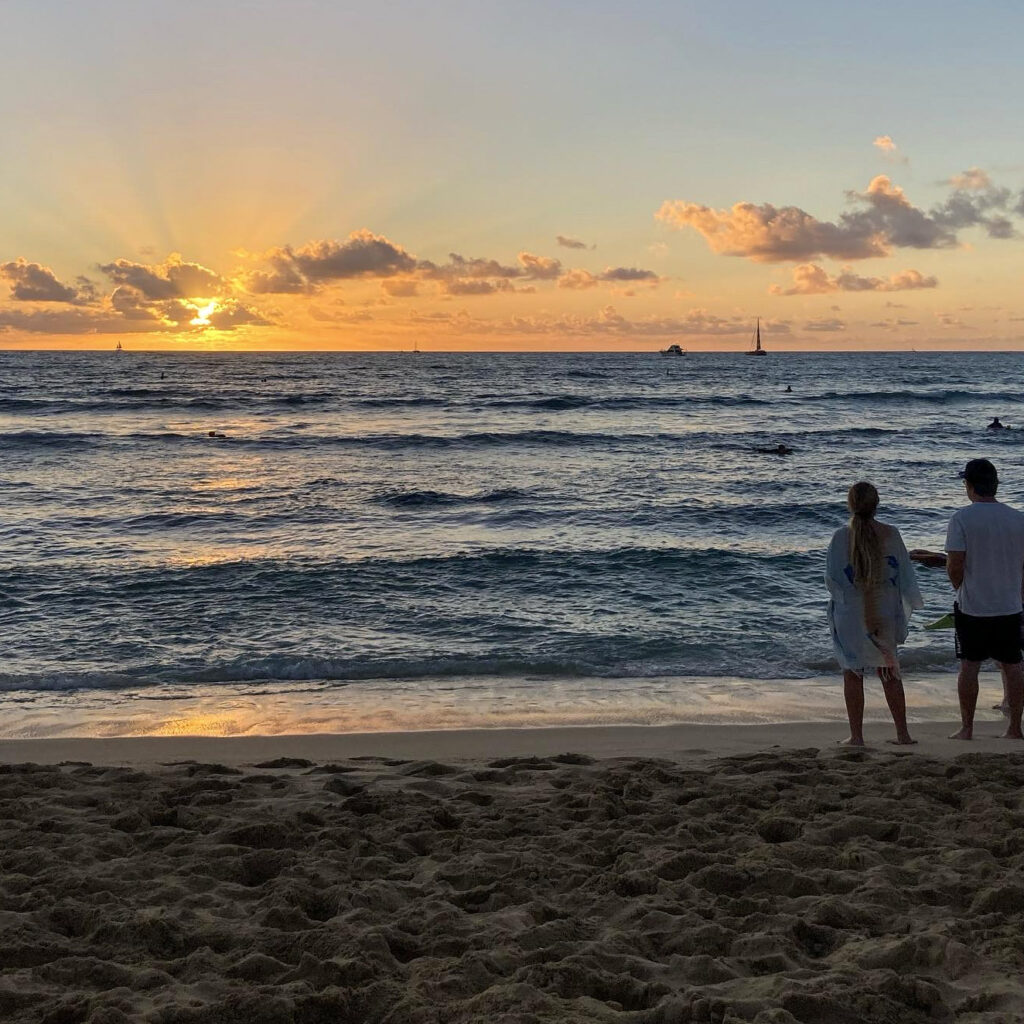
673,350
757,350
119,347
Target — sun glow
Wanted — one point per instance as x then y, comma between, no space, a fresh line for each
201,318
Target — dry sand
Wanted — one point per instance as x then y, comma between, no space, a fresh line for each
825,886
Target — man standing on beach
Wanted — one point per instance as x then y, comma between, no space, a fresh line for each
985,548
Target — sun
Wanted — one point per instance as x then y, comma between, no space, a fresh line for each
202,316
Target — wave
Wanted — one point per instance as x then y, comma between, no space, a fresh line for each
441,499
144,399
335,671
944,396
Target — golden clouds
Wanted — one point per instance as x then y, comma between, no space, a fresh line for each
810,279
884,219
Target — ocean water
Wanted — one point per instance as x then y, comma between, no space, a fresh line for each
393,540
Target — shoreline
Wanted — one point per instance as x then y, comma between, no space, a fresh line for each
682,743
466,704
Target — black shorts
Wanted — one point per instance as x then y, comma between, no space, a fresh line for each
988,636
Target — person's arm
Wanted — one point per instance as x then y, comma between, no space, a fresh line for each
955,561
956,551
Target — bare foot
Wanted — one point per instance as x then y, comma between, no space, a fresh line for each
962,734
853,741
1012,734
902,741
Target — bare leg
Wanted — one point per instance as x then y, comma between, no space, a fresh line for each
892,685
853,691
967,690
1004,704
1014,682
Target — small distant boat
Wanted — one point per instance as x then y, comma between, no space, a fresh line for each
119,347
416,348
757,350
673,350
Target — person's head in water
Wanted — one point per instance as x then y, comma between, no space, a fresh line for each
981,479
995,424
865,539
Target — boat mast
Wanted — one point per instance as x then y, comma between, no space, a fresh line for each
758,349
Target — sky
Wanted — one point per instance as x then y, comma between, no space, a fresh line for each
483,175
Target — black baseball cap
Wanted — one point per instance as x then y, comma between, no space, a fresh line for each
979,471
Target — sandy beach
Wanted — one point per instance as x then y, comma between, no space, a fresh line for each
689,873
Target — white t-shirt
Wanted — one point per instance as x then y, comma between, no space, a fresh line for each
992,535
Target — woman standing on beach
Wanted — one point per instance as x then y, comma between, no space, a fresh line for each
874,589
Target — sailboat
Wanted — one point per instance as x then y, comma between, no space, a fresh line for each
757,350
119,347
416,348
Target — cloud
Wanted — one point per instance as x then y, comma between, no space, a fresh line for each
885,144
884,220
628,274
894,325
975,201
581,279
972,178
571,243
400,287
476,286
540,268
32,282
609,321
825,326
768,234
578,280
810,279
362,254
174,279
231,314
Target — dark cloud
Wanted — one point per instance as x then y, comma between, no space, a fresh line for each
570,243
475,286
32,282
75,321
174,279
132,304
885,220
362,254
628,274
231,314
975,201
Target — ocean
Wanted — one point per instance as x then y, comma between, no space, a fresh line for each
389,540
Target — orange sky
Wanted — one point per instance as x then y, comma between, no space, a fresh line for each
359,179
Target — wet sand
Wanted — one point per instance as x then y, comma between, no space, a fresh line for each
622,875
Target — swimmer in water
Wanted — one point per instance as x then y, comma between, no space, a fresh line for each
995,424
789,389
779,449
214,433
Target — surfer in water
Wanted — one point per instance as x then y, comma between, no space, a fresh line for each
995,424
779,449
